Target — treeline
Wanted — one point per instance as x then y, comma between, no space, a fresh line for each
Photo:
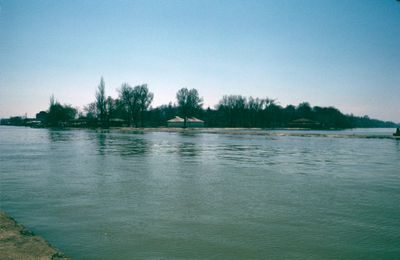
132,107
239,111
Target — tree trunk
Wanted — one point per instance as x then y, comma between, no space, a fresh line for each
142,118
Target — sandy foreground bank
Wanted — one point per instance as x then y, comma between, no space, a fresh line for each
16,242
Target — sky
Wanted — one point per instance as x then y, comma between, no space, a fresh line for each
341,53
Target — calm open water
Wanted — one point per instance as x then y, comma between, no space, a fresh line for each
115,195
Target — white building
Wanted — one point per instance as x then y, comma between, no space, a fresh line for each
190,122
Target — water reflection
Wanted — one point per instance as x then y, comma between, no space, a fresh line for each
133,145
57,135
122,144
201,194
248,154
184,145
102,142
187,149
189,134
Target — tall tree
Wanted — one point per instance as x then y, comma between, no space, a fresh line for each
110,108
129,99
101,102
188,102
52,100
144,100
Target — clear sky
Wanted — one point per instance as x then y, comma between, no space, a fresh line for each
342,53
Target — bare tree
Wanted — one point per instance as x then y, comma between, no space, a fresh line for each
130,102
188,102
233,106
110,108
101,102
91,110
144,99
52,100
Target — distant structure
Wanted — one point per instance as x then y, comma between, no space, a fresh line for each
190,122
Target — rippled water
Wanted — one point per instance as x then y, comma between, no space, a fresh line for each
285,194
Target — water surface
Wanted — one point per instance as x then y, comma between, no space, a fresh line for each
285,194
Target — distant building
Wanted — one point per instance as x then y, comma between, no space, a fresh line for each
190,122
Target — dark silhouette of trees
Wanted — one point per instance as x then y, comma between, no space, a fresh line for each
272,114
91,110
110,108
133,107
14,120
304,110
130,103
233,107
189,102
42,116
144,100
59,114
255,107
330,117
101,103
240,111
158,116
289,113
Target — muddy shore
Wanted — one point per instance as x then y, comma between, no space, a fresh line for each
17,242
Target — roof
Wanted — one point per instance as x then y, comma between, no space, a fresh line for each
194,120
178,119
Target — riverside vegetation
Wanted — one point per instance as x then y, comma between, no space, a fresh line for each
132,107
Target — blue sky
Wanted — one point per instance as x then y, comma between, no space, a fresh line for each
342,53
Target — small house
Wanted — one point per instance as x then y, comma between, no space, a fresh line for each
180,122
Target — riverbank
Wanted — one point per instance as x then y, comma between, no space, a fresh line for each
17,242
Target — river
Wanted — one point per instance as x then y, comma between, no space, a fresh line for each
283,194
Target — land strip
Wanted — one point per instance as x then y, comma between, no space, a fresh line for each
17,242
